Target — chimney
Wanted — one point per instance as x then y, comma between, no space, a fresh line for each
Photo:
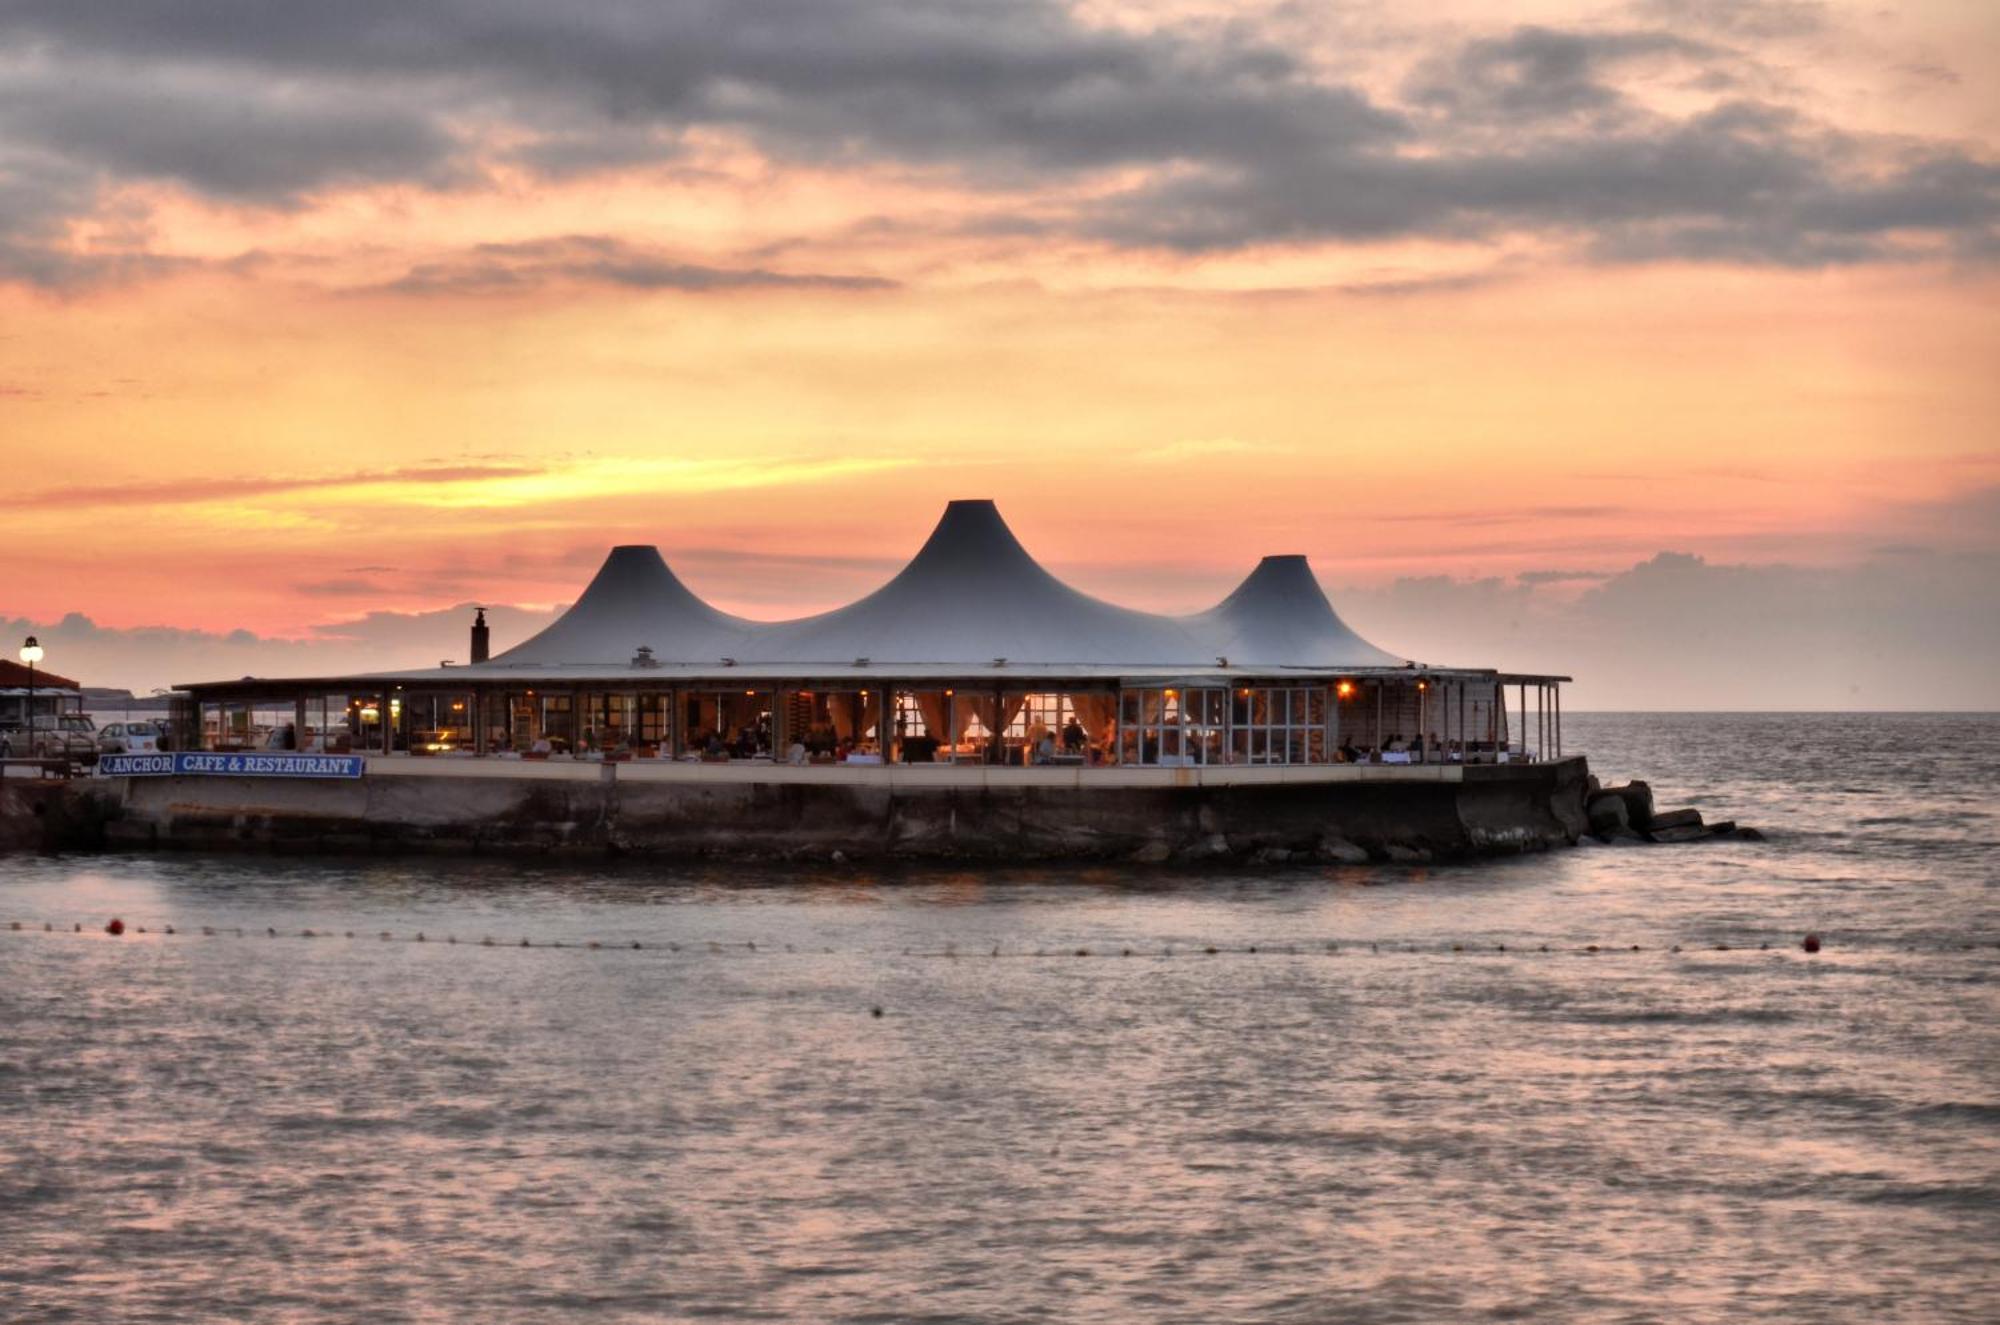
480,644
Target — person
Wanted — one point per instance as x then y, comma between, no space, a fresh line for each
1045,748
1073,737
288,738
1396,743
795,755
1348,754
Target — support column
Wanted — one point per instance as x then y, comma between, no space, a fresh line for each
1559,718
1332,724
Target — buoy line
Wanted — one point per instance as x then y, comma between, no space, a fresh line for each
114,927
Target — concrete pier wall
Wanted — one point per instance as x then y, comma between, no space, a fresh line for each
939,812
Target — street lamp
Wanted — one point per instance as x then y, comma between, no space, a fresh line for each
31,653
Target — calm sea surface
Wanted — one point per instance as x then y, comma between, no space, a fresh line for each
1337,1115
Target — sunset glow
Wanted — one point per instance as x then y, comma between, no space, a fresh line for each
402,346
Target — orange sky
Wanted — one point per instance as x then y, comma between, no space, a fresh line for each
273,403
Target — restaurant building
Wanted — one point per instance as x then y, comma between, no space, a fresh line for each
973,653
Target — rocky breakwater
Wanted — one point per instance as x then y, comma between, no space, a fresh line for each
51,815
1625,816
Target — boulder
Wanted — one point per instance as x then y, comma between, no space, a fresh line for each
1748,835
1607,811
1403,855
1679,833
1272,856
1621,837
1674,819
1638,798
1341,851
1153,853
1727,828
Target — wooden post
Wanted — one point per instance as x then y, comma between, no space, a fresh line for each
1559,719
1378,720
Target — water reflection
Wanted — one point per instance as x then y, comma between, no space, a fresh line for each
1354,1121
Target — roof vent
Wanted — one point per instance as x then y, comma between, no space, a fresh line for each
1221,660
862,662
728,662
999,662
644,657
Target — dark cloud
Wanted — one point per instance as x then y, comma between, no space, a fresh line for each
1538,73
599,260
1232,139
1561,576
348,587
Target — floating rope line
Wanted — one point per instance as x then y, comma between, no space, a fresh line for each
1810,944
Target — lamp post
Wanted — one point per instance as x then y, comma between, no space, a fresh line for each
31,653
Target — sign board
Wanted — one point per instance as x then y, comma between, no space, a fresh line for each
277,764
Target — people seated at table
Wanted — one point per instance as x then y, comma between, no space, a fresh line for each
1347,753
1073,737
1045,747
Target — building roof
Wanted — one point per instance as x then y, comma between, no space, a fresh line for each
972,603
973,599
14,676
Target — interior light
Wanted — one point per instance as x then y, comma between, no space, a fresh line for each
1344,689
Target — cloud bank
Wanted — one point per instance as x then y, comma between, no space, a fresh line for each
1667,132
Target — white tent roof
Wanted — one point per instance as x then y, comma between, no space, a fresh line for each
972,602
1280,617
970,597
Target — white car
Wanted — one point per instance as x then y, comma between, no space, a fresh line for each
129,738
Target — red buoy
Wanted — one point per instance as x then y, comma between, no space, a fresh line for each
116,926
1811,943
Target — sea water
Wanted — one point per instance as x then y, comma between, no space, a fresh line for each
1603,1084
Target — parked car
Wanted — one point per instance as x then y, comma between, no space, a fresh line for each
129,738
65,734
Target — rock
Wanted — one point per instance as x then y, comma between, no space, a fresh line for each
1623,837
1403,855
1638,798
1748,835
839,857
1673,819
1727,828
1213,847
1341,851
1153,853
1679,833
1272,856
1607,810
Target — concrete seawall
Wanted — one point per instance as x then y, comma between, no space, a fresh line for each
917,812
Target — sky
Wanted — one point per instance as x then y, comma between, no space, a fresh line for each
1651,343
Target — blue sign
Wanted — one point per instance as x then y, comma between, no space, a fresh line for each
285,764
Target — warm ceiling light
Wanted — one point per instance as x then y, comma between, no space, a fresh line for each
1344,689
